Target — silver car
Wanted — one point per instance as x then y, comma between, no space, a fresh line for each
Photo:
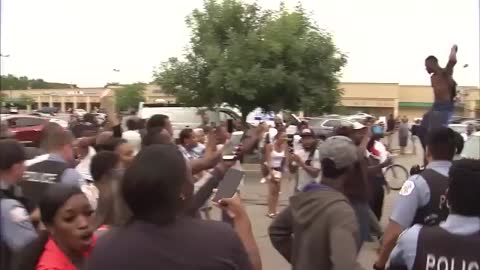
326,126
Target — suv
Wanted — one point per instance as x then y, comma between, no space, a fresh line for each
326,126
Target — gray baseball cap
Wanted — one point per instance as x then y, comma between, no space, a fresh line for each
340,149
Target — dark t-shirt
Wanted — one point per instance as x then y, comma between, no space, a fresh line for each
390,125
187,244
84,129
357,188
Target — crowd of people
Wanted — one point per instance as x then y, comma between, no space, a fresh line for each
137,184
83,203
106,198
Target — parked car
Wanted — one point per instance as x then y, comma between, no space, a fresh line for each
361,114
13,110
41,114
326,126
27,128
459,119
79,112
474,122
471,148
460,128
48,110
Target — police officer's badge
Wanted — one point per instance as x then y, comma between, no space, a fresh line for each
407,188
18,214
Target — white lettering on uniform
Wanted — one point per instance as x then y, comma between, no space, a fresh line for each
430,261
40,177
473,266
443,263
443,202
442,260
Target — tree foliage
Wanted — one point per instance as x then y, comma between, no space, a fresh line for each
129,96
11,82
3,98
248,57
22,101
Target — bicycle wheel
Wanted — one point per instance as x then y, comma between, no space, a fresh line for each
396,175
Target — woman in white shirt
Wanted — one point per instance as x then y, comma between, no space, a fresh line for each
275,159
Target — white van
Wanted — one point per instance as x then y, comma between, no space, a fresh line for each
185,117
190,117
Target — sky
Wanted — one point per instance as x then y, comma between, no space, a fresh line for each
82,41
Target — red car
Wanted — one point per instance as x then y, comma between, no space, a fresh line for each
26,128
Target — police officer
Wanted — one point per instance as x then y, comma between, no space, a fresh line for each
57,166
16,229
422,198
455,244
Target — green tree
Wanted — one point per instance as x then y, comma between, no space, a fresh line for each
11,82
24,100
129,96
3,98
247,57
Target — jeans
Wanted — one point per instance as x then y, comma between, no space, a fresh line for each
376,203
363,217
440,115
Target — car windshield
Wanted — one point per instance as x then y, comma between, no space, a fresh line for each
472,148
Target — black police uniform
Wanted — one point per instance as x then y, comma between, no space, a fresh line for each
436,210
434,250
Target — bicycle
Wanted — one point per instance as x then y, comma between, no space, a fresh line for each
396,175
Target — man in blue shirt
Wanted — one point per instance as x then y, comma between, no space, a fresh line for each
450,238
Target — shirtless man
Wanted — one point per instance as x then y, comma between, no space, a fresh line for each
441,78
444,91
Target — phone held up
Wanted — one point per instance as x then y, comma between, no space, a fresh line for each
229,185
231,147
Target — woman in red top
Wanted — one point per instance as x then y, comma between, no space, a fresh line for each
68,217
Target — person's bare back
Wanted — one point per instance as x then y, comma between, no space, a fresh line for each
442,78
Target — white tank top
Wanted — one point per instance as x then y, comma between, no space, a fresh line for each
277,158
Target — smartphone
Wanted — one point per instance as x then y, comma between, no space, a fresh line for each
229,185
230,127
230,147
290,140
